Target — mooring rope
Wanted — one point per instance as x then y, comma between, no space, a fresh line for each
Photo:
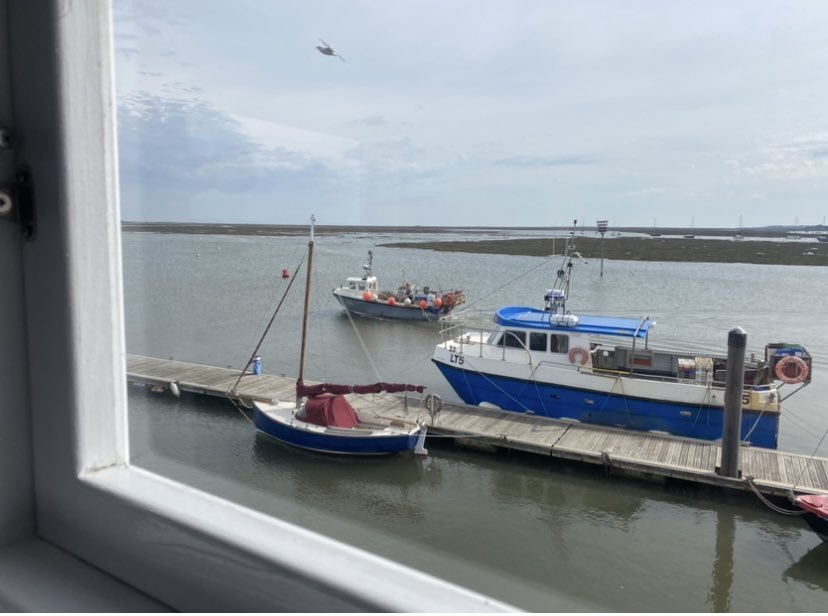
802,472
776,508
239,409
364,347
510,282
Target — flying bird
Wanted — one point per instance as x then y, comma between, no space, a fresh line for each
328,50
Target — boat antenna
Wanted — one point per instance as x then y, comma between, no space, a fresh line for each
367,266
300,380
556,297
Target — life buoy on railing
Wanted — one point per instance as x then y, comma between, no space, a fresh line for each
782,369
578,355
434,404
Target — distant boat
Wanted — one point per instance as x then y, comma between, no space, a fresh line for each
738,237
690,236
822,238
816,506
601,370
326,421
655,234
361,296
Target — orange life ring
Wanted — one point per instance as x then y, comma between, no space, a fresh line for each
579,355
433,403
781,369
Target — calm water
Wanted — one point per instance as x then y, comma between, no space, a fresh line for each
539,534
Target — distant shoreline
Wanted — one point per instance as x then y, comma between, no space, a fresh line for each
671,246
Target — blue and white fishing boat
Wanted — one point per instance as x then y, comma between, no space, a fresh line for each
321,418
602,370
362,296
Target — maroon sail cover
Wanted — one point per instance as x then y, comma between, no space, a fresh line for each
303,390
329,410
815,503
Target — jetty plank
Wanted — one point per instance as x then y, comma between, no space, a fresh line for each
621,451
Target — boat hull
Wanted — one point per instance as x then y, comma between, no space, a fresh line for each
382,310
341,444
818,524
609,409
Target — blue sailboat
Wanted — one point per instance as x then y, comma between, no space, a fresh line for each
602,370
322,419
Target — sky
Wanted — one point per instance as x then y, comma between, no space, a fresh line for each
473,113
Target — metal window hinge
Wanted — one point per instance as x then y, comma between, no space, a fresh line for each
19,199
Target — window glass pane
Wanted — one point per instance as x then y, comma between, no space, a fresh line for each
537,341
559,343
411,123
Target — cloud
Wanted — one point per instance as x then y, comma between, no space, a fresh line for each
173,150
803,158
375,120
545,161
646,192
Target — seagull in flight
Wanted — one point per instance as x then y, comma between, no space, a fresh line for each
328,50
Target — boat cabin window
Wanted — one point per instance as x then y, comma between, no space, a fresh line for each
513,338
559,343
352,285
361,286
537,341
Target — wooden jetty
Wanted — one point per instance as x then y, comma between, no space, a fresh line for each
621,451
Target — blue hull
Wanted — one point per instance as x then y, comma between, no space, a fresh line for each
326,443
558,402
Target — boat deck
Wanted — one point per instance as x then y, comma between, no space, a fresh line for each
623,452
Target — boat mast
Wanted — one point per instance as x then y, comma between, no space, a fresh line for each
305,315
556,297
367,267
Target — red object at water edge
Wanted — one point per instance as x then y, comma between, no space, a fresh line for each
285,274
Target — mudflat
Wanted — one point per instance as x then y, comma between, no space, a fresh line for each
773,250
767,252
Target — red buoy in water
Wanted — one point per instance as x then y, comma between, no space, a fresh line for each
285,274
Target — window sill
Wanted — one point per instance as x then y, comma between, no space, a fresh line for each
198,552
37,577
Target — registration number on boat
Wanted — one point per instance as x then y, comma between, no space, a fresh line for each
456,358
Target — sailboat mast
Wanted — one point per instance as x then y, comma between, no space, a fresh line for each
307,305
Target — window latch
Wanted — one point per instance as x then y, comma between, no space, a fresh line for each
19,198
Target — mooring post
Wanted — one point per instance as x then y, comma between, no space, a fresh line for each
734,385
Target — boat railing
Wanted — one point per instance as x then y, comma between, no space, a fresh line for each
464,326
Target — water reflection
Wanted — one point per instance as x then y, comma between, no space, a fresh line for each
810,569
524,528
377,487
722,581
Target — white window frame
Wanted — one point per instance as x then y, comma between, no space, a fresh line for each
184,547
